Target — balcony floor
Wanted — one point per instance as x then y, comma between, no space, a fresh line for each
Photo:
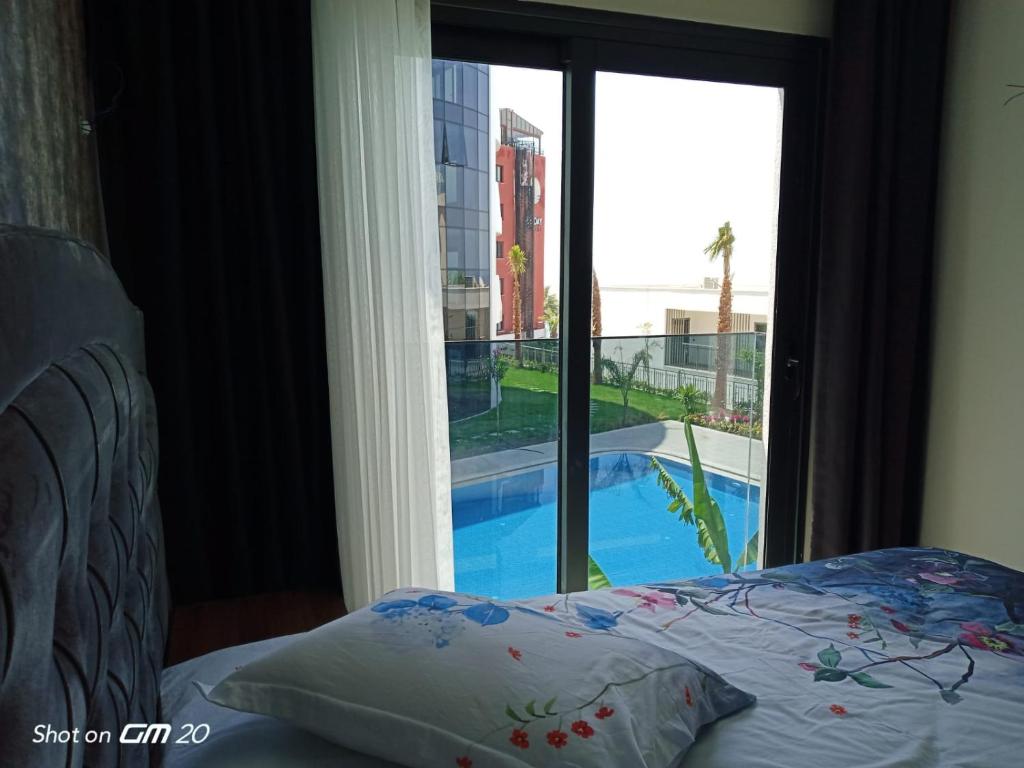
719,451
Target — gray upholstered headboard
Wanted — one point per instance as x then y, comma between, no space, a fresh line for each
83,591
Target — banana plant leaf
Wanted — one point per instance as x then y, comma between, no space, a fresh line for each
596,578
711,532
749,555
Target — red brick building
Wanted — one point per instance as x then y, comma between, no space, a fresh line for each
519,167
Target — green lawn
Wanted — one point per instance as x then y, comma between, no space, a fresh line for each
528,414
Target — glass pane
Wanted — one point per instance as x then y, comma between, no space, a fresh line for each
502,391
684,260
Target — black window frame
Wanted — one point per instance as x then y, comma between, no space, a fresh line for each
580,42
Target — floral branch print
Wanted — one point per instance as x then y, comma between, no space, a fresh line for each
829,671
521,717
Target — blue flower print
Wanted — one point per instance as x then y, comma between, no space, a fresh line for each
598,618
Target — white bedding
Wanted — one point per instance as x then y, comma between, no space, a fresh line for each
756,737
238,739
893,659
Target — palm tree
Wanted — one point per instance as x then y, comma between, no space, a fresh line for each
722,246
517,265
551,312
623,376
595,325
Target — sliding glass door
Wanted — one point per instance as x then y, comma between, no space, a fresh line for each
498,153
641,317
686,190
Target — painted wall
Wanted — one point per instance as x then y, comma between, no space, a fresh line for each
48,170
973,497
801,17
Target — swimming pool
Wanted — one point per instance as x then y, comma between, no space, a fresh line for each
505,528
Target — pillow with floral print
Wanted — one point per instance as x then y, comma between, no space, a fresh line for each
440,679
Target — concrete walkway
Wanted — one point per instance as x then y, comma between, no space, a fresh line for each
719,451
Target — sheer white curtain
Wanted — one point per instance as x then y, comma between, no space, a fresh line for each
382,294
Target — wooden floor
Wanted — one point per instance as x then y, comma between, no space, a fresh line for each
203,627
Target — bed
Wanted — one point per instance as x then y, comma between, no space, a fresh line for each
903,657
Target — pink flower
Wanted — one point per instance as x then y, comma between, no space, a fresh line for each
888,609
573,634
853,635
549,609
657,599
901,627
809,667
648,600
940,578
985,638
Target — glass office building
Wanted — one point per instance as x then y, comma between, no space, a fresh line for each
462,155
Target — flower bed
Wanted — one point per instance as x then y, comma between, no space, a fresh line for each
737,424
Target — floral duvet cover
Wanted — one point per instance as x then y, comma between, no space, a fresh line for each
900,657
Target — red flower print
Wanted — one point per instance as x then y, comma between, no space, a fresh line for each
604,712
464,762
549,609
853,635
838,710
557,738
888,609
573,634
520,738
689,697
900,627
808,667
853,620
515,653
984,638
582,729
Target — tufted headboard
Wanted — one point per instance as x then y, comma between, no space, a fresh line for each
83,590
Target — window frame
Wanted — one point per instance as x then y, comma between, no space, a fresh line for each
580,42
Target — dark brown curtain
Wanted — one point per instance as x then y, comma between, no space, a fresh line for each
874,312
208,169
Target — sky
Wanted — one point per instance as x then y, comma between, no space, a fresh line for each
674,159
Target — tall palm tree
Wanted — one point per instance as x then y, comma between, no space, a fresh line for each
722,246
551,312
517,265
595,326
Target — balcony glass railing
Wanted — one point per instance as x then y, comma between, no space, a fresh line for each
503,411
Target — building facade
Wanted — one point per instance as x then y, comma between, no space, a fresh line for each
462,157
520,172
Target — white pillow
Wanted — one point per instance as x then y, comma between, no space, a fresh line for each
438,679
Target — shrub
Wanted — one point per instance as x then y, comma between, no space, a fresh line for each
694,399
737,424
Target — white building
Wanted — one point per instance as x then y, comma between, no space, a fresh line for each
633,310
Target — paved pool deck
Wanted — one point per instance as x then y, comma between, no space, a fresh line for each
719,452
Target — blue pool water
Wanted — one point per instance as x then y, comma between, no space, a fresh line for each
505,528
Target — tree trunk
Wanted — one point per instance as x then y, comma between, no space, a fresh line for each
517,316
723,357
595,326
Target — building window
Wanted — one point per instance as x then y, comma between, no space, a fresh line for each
497,250
498,173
